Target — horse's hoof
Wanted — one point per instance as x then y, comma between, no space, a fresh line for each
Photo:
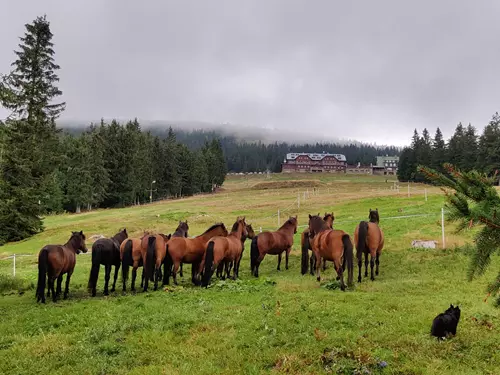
359,279
112,290
105,293
318,279
337,278
376,273
65,296
372,279
342,288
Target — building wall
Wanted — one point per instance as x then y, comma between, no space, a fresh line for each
305,164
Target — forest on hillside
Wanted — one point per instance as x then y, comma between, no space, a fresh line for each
466,150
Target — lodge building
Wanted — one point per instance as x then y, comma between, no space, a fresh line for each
304,162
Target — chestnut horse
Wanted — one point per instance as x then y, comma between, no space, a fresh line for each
369,239
273,243
153,250
181,231
334,245
131,256
189,250
220,268
106,251
306,246
223,249
56,260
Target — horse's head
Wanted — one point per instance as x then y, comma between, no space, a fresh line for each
292,221
240,225
329,218
315,225
373,216
78,242
184,227
250,231
121,236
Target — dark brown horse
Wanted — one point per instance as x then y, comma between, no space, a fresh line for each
189,250
333,245
131,256
306,246
273,243
106,252
220,268
369,239
153,250
56,260
223,249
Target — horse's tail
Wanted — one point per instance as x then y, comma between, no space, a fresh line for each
362,234
96,264
168,264
305,253
43,265
209,262
127,260
254,253
150,257
348,255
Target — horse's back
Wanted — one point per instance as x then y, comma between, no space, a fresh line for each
375,238
273,242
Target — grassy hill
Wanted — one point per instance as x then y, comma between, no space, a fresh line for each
282,322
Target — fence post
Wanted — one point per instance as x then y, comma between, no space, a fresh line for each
279,218
298,200
442,227
408,190
260,229
14,265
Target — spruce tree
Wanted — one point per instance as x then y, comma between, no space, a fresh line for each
456,146
28,165
469,152
488,159
438,155
472,200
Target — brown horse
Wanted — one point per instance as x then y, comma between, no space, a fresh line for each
306,246
273,243
131,255
153,250
181,231
189,250
369,239
220,268
223,249
106,252
56,260
333,245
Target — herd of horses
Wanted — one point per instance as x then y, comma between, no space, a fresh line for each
215,250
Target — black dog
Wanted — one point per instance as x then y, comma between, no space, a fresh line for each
445,324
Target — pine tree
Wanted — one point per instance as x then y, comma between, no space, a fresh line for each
473,200
438,154
407,165
469,152
488,159
456,146
28,165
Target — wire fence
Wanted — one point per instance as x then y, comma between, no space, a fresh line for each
302,199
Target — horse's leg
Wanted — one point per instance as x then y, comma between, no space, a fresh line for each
156,276
52,290
66,288
366,264
340,274
194,273
377,262
180,271
343,267
48,288
286,257
174,271
312,264
142,277
230,266
318,266
372,263
117,268
107,269
134,275
324,264
257,265
59,283
279,261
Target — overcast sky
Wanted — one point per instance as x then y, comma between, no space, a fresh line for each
365,70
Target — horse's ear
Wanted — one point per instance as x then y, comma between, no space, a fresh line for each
81,232
310,217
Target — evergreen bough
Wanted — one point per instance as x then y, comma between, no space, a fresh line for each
471,199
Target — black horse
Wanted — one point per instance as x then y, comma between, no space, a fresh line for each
106,251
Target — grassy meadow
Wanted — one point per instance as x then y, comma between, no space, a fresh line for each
282,322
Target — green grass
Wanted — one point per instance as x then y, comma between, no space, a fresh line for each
280,323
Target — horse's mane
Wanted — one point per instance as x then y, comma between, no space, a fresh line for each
288,222
213,227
